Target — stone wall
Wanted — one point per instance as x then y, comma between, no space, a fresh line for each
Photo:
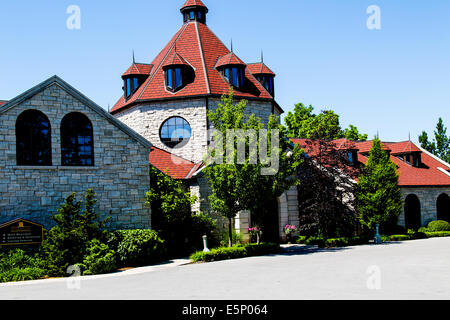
120,176
260,109
147,120
428,198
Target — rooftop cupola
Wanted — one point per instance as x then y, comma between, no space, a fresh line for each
264,75
194,10
232,68
134,77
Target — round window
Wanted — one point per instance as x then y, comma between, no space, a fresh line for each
174,132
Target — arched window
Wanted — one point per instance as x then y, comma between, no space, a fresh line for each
77,140
33,139
412,212
443,207
175,131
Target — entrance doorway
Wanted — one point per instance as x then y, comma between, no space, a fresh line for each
443,207
412,212
268,221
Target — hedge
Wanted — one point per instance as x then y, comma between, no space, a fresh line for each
238,251
22,274
438,234
137,248
438,225
332,242
344,242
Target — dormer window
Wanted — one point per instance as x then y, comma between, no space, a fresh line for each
267,82
177,72
232,69
131,85
413,159
134,77
264,75
174,78
234,76
352,157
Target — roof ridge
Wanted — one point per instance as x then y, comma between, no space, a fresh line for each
202,55
434,157
162,62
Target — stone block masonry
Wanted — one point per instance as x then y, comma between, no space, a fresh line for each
147,119
120,177
428,202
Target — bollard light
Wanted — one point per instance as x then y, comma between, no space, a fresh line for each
377,235
205,244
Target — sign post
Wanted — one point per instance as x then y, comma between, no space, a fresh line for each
21,232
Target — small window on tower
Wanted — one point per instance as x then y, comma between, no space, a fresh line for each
128,87
174,78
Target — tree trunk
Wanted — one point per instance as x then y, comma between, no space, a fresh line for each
230,232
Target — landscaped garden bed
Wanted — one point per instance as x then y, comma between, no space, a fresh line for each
237,251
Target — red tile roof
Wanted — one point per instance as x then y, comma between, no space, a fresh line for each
172,165
259,68
138,69
193,3
229,59
432,172
198,45
175,59
365,146
402,147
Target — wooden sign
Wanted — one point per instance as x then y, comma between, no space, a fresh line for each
21,232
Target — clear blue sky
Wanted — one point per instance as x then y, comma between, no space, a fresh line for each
395,80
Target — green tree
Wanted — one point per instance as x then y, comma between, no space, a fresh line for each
352,134
66,243
172,215
303,123
440,146
237,185
378,195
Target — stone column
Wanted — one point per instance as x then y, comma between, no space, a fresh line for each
241,224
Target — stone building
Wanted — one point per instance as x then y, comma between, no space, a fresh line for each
424,179
55,141
167,101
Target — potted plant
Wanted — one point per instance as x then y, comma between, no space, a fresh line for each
256,231
289,230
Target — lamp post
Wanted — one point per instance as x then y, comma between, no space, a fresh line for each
205,244
377,235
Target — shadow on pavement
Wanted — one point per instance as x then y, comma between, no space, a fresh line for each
294,250
299,249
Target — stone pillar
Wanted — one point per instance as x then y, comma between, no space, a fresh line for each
292,202
241,224
283,215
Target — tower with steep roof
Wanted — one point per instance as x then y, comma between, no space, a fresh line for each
167,100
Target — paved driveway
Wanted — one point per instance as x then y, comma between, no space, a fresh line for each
417,269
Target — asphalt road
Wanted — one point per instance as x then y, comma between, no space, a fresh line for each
417,269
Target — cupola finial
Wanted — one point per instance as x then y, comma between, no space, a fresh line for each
134,61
